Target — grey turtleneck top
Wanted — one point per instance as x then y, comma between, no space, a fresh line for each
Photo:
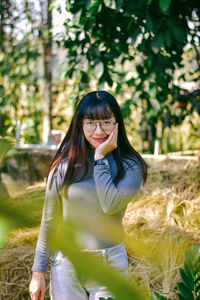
97,193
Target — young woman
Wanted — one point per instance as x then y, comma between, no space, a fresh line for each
95,166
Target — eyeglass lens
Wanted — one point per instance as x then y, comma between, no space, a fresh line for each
106,125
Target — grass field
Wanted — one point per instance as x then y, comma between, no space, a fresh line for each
161,222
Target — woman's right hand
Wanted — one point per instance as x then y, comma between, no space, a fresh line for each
109,145
37,286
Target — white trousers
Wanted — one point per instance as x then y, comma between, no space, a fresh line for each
64,284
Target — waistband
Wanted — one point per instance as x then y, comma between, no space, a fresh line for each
114,249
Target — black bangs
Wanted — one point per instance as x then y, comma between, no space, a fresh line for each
98,110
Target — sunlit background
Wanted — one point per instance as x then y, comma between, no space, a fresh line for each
147,55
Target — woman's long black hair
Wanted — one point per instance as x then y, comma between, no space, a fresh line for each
95,105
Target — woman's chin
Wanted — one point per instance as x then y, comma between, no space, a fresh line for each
94,144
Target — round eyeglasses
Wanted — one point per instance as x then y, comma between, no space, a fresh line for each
106,125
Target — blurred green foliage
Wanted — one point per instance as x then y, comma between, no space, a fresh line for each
20,77
25,211
14,215
6,144
189,287
89,266
157,296
142,52
149,36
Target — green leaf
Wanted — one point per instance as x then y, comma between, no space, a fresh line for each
149,22
84,77
16,217
189,283
87,4
164,4
69,73
197,278
197,297
196,251
180,297
179,33
157,43
5,228
196,266
184,291
188,264
119,4
168,38
187,270
148,63
135,34
95,7
81,260
157,296
118,88
5,146
106,77
197,289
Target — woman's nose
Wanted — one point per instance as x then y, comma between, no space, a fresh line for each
98,129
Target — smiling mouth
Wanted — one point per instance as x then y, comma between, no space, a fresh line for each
100,139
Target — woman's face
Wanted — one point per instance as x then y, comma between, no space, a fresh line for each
97,131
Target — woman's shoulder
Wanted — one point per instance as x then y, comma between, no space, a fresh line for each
64,161
131,160
60,168
63,164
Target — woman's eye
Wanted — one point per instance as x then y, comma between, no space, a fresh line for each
89,123
107,122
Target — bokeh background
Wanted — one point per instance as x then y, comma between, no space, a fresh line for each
147,54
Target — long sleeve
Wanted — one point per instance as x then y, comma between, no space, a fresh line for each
51,210
114,197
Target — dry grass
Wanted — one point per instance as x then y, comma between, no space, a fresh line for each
160,224
15,271
16,258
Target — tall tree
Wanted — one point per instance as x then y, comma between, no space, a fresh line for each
46,15
152,34
24,31
19,88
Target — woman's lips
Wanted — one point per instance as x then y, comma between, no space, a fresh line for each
100,140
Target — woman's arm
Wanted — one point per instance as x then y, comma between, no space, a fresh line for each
37,286
51,211
114,197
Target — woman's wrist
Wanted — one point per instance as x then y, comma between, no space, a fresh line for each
38,274
98,156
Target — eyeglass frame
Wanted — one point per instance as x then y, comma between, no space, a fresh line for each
99,125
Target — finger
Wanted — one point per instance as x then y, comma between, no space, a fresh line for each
42,294
115,127
34,297
116,130
113,133
109,139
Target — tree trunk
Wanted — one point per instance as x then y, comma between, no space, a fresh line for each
152,136
47,58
